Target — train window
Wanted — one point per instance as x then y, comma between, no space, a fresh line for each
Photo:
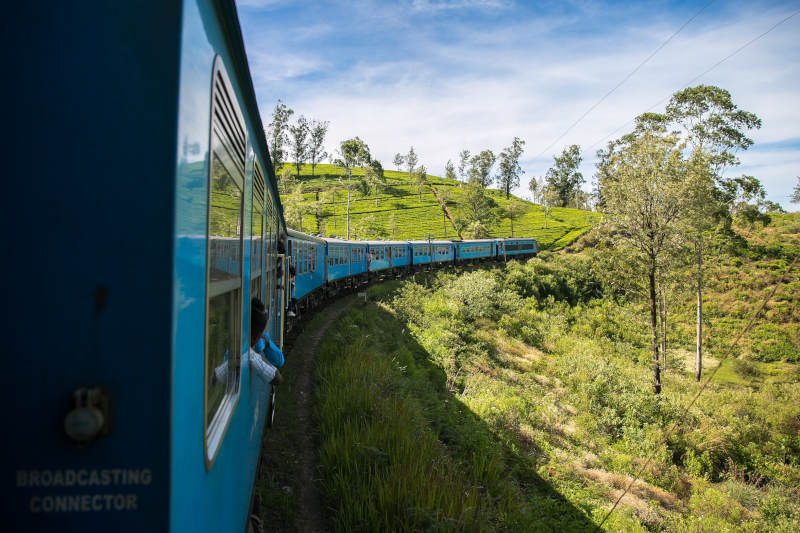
223,320
271,260
257,235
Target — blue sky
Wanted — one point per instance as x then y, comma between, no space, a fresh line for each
449,75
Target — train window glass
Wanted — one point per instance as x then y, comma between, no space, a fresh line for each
224,276
257,235
271,240
223,312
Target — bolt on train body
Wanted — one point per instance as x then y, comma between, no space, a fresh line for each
142,213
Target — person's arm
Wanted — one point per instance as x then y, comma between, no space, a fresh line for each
273,353
265,371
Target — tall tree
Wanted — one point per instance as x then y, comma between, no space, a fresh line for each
298,142
286,180
420,180
399,160
713,124
475,205
316,139
513,210
352,152
463,165
375,179
510,171
411,162
645,203
278,131
533,186
480,168
450,171
549,198
795,198
563,176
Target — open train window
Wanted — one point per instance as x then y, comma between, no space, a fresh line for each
224,283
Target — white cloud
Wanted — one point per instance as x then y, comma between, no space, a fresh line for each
447,5
479,90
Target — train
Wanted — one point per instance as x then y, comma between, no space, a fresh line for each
135,134
324,267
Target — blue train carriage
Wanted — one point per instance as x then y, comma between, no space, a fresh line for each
518,247
344,267
442,252
123,428
379,256
420,253
307,257
400,256
470,251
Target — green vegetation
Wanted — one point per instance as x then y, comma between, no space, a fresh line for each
419,215
517,397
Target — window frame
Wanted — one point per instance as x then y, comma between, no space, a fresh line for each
216,426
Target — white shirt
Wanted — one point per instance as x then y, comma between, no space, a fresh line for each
262,368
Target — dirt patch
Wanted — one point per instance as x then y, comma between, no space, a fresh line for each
639,494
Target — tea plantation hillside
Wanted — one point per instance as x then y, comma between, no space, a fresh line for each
402,212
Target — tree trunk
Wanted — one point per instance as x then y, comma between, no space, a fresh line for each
654,332
663,312
512,226
318,214
348,204
699,355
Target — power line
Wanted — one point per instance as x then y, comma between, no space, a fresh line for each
687,84
626,78
711,375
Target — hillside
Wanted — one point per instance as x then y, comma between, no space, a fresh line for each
517,397
401,213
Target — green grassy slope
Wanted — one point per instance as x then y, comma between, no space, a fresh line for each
420,216
517,397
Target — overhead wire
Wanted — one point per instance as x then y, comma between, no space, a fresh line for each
702,388
626,78
687,84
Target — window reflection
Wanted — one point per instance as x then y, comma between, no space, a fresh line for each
223,315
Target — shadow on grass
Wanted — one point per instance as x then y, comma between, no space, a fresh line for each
400,451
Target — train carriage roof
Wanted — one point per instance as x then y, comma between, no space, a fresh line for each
342,242
387,243
303,236
431,242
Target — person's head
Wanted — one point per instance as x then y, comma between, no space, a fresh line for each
258,320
